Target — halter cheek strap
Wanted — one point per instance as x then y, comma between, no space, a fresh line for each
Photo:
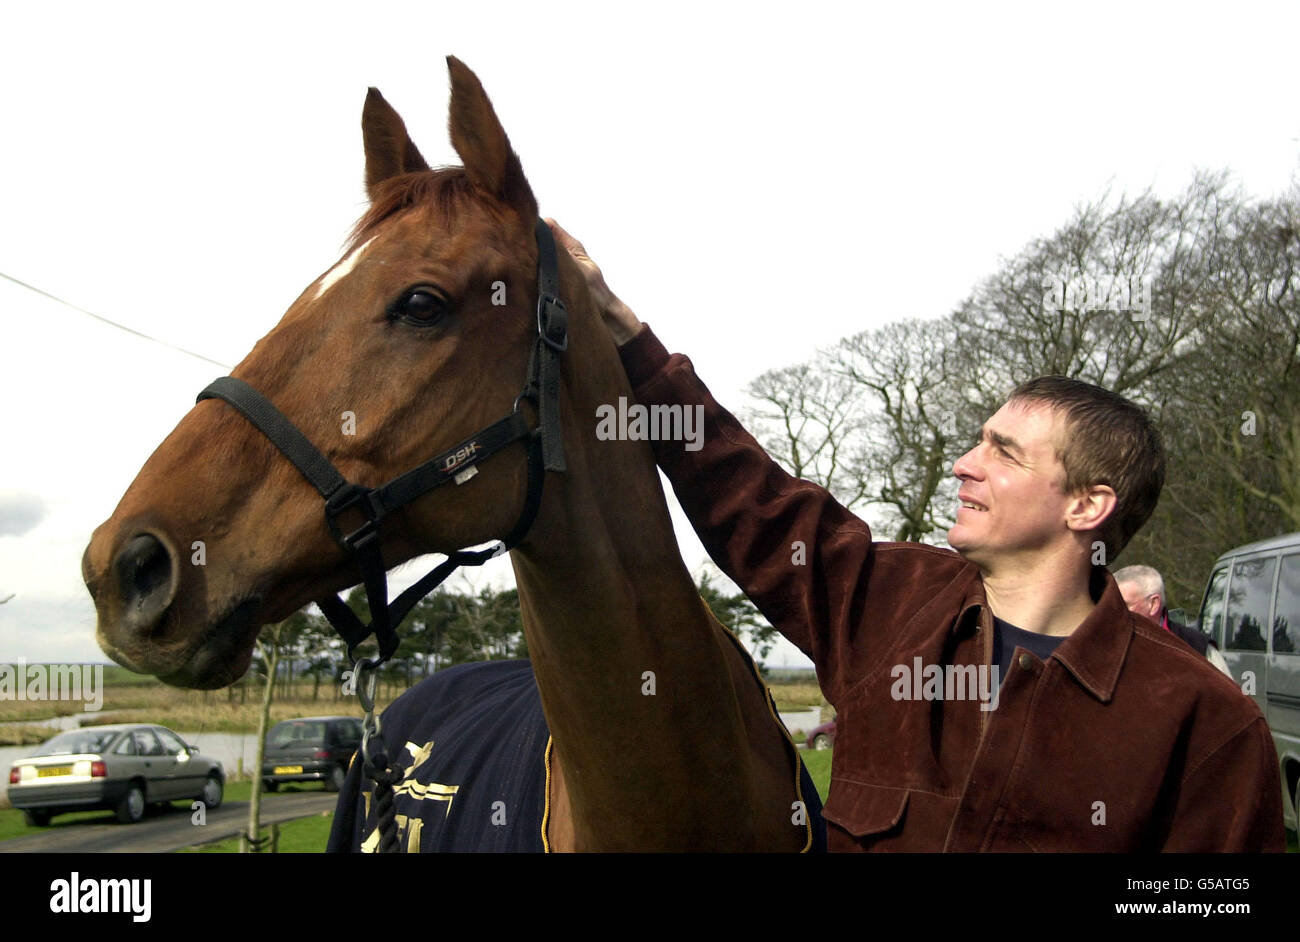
372,505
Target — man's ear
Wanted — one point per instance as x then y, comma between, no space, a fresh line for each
1091,507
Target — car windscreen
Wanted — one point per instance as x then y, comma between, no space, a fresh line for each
296,732
78,741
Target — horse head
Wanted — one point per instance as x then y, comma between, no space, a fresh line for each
418,337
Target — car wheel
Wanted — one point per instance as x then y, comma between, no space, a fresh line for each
336,779
212,792
821,741
37,817
131,808
268,786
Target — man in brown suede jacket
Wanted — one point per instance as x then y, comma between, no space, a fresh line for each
1098,732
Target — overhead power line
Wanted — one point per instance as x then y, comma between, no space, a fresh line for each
113,323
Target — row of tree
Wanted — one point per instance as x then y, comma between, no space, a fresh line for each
880,418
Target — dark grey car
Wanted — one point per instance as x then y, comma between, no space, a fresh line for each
310,749
122,768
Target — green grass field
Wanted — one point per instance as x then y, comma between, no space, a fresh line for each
12,823
818,763
299,836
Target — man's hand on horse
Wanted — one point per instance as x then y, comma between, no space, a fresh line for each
618,317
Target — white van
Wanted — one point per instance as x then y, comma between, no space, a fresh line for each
1251,610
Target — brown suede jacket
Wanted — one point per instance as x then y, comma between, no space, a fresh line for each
1123,740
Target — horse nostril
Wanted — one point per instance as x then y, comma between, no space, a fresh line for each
145,579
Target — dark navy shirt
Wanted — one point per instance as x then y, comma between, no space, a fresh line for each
1007,637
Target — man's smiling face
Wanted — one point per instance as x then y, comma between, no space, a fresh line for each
1012,491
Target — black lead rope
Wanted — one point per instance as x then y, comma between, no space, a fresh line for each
373,504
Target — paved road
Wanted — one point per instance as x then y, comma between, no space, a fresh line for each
165,831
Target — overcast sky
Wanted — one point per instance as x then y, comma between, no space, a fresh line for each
756,180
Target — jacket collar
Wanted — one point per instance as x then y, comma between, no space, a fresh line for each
1094,654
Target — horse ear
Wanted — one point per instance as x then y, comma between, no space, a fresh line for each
389,150
484,149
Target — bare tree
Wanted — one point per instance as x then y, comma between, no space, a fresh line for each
1075,303
812,420
911,374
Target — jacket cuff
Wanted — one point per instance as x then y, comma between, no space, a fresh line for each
643,356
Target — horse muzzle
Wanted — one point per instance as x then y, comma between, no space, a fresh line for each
147,618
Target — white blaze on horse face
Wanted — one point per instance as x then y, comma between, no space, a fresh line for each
342,269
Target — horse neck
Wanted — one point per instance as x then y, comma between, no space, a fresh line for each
603,545
629,662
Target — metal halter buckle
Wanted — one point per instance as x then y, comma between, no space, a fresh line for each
547,304
354,495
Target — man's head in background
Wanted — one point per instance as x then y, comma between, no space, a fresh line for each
1143,590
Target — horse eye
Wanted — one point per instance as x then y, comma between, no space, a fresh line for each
420,306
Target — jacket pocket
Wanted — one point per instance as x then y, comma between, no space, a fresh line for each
865,810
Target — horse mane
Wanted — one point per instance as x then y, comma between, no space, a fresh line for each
449,188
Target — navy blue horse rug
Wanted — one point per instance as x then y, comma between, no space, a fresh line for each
475,747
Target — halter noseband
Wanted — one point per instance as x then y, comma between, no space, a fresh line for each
545,453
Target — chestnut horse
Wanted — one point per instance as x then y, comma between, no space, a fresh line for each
423,332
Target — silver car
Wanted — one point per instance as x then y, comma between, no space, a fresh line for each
122,768
1251,610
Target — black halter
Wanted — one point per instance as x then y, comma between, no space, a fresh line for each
545,453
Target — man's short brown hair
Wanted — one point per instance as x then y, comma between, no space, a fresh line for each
1108,440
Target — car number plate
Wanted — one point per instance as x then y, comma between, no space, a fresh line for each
52,770
288,770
